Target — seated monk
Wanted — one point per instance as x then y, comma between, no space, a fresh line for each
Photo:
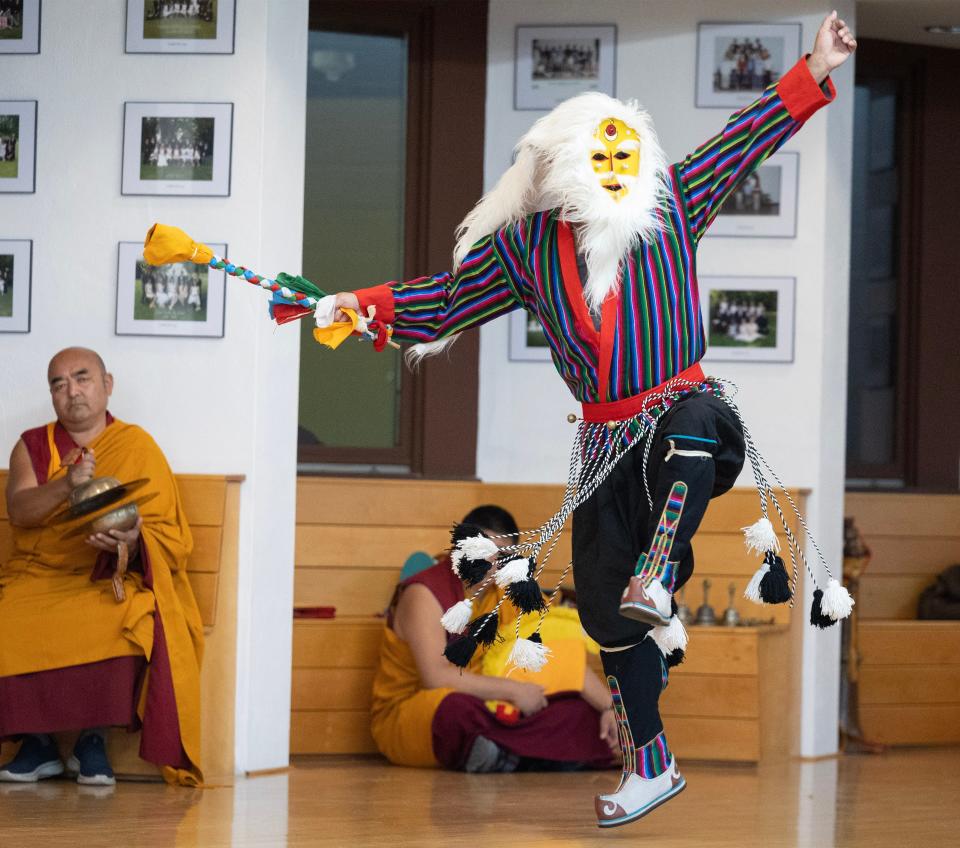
427,712
72,657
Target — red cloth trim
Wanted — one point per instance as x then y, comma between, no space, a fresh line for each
38,448
380,296
573,286
620,410
99,694
801,93
567,730
608,328
160,741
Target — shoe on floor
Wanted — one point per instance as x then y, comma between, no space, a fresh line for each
90,763
638,796
486,756
37,759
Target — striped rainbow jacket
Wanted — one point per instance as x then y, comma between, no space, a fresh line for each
651,329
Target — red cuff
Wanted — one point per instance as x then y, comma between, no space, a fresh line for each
800,92
380,297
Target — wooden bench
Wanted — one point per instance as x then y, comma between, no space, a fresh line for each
212,504
726,702
910,670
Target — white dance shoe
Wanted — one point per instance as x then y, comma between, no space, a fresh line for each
638,796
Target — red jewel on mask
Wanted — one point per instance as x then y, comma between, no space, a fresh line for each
610,131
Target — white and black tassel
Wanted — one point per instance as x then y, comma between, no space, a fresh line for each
513,572
837,602
770,583
526,596
530,654
817,616
456,619
761,537
669,637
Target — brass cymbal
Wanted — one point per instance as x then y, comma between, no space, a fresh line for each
121,517
104,491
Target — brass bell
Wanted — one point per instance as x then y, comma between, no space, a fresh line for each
612,425
572,418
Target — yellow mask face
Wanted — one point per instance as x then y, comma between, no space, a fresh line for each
615,156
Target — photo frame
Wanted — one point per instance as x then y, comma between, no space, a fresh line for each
16,270
527,341
183,299
18,146
179,149
748,319
765,204
737,61
20,26
553,63
180,26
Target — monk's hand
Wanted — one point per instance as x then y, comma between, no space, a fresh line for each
833,46
608,730
81,471
345,300
528,697
110,541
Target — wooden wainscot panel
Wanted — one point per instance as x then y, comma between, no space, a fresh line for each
350,643
331,732
910,684
911,724
712,650
710,695
332,688
736,740
901,514
909,642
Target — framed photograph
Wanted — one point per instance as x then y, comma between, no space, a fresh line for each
748,318
765,204
18,146
527,341
16,258
180,26
184,299
557,62
736,62
177,148
19,26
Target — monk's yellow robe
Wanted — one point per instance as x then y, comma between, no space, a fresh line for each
53,616
402,711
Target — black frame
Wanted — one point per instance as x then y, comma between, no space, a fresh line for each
33,176
123,147
516,58
29,243
230,52
745,24
39,32
223,317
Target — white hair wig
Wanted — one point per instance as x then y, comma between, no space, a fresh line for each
552,169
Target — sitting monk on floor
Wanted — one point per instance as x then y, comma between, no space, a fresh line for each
427,712
73,656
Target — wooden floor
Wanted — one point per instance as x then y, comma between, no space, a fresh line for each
903,798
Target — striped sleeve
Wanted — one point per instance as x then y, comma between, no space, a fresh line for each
710,174
430,308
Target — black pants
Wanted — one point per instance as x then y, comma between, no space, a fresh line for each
616,524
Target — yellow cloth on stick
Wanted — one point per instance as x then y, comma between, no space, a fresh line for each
165,245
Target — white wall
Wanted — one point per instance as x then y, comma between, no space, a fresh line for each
796,411
214,405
